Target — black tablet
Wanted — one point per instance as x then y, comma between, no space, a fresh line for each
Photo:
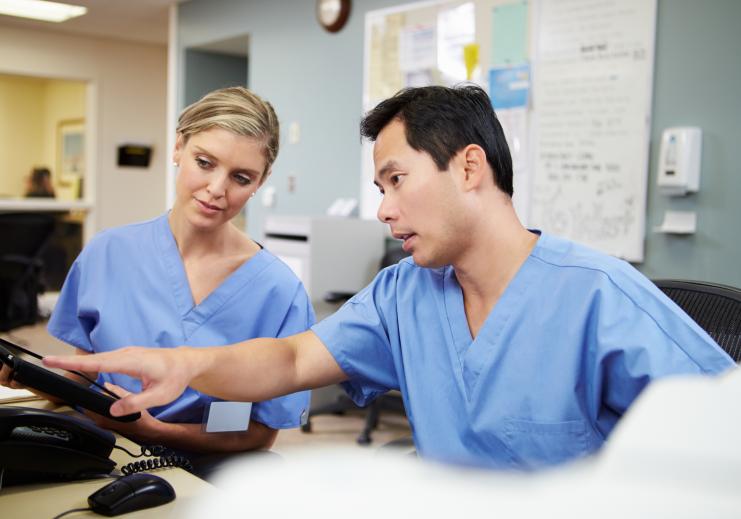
29,371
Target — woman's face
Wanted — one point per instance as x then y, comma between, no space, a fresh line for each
219,171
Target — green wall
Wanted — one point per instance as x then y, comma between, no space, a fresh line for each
697,82
315,78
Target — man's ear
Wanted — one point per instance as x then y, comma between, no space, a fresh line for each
475,166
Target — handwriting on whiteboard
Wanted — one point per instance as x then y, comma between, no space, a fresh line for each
592,94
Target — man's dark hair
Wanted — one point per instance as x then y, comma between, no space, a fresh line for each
442,121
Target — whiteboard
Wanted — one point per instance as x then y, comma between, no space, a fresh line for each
593,75
581,154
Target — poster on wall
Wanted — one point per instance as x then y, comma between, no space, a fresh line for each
70,158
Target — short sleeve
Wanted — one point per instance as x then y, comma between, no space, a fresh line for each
68,321
288,411
637,342
361,337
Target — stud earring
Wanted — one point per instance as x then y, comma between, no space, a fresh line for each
175,164
253,194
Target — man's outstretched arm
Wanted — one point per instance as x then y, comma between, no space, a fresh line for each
249,371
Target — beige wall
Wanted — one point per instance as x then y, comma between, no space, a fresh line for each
65,101
127,104
31,110
21,131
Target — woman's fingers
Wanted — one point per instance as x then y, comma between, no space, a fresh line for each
6,378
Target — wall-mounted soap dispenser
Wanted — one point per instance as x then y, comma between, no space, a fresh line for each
679,161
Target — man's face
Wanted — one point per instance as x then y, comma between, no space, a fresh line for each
420,204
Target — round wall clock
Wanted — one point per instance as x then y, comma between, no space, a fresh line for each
332,14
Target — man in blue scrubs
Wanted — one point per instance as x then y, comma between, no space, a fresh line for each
511,348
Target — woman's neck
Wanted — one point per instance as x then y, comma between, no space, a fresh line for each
194,242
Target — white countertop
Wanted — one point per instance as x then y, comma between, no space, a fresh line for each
43,204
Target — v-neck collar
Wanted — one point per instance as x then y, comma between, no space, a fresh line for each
192,315
475,354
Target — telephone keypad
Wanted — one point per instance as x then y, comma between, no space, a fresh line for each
49,435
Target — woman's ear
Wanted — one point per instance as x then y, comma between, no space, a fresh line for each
177,152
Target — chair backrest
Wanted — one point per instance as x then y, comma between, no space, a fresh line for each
23,238
25,234
716,308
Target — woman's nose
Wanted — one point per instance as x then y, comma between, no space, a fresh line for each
217,186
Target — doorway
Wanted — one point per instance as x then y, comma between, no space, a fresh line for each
215,65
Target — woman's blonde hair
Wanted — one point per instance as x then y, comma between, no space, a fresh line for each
237,110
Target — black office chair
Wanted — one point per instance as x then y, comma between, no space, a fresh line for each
390,401
23,238
716,308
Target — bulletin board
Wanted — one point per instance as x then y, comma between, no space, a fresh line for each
571,83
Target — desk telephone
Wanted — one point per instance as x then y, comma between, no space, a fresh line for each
40,445
37,445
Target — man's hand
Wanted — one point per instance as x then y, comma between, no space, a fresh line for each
249,371
146,429
164,373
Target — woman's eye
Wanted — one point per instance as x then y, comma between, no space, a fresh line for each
243,180
202,163
395,179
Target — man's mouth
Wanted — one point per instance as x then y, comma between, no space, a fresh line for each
403,236
407,238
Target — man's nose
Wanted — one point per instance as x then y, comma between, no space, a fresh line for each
387,211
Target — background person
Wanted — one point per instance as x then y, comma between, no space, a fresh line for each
39,184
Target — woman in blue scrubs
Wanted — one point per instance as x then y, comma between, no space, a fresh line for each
191,277
512,348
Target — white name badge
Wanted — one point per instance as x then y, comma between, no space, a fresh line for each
228,416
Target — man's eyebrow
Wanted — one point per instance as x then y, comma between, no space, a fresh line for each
387,168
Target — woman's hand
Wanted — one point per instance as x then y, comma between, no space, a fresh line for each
148,430
6,378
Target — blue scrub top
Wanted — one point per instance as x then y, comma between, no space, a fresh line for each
569,345
128,287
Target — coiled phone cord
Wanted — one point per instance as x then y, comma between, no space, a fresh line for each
160,457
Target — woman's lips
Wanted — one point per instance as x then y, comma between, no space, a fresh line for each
208,208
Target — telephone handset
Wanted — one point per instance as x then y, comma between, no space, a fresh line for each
37,445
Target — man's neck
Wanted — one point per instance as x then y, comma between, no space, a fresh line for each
490,264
